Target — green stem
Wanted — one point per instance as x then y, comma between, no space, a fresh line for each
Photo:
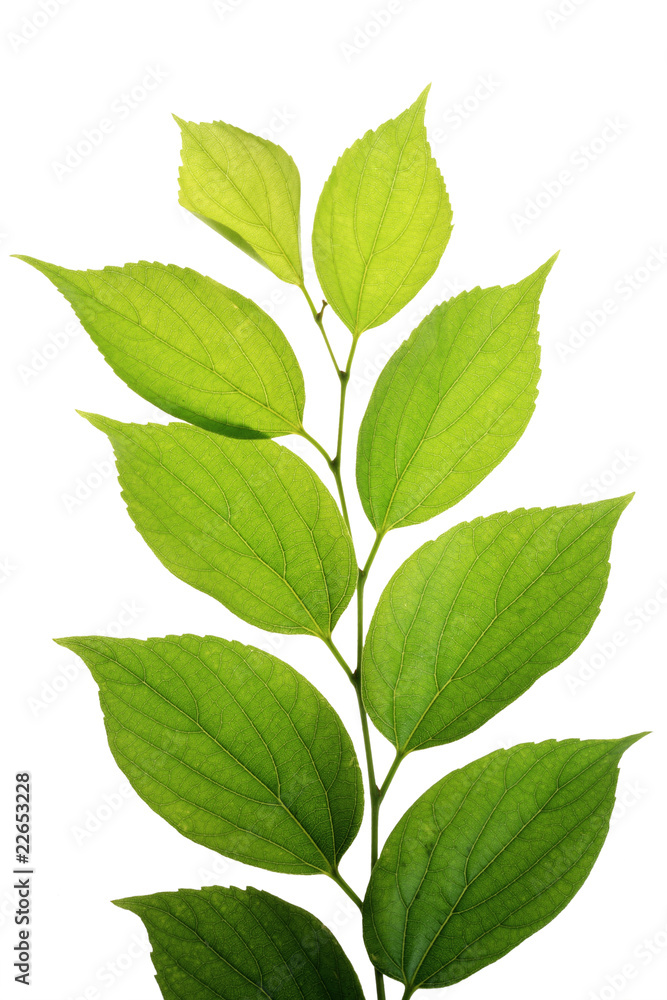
390,775
334,466
347,889
317,316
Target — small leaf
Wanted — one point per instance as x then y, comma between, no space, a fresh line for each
241,945
231,746
247,189
450,403
196,349
487,856
382,223
247,522
472,619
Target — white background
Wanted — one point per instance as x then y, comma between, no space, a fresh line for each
537,90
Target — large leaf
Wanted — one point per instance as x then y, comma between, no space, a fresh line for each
472,619
450,403
241,945
196,349
231,746
382,223
247,189
487,856
247,522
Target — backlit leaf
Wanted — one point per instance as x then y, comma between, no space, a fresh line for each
246,188
472,619
196,349
382,223
487,856
241,945
231,746
450,403
247,522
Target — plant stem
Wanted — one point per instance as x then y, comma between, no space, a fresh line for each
335,469
347,889
317,316
390,775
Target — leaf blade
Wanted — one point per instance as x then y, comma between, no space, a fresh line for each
246,188
217,942
370,261
489,820
198,350
470,621
231,746
247,522
451,402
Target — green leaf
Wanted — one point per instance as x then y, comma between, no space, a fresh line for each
487,856
450,403
382,223
247,522
247,189
231,746
196,349
471,620
241,945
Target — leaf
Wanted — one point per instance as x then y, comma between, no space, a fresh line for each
471,620
382,222
196,349
247,522
450,403
487,856
231,746
241,945
247,189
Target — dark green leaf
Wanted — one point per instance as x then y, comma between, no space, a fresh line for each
241,945
487,856
472,619
231,746
382,223
196,349
450,403
247,522
247,189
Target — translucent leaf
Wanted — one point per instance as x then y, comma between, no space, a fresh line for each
196,349
450,403
247,189
382,223
231,746
247,522
487,856
472,619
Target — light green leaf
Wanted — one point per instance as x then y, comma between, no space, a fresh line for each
241,945
196,349
450,403
231,746
472,619
247,522
487,856
247,189
382,223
